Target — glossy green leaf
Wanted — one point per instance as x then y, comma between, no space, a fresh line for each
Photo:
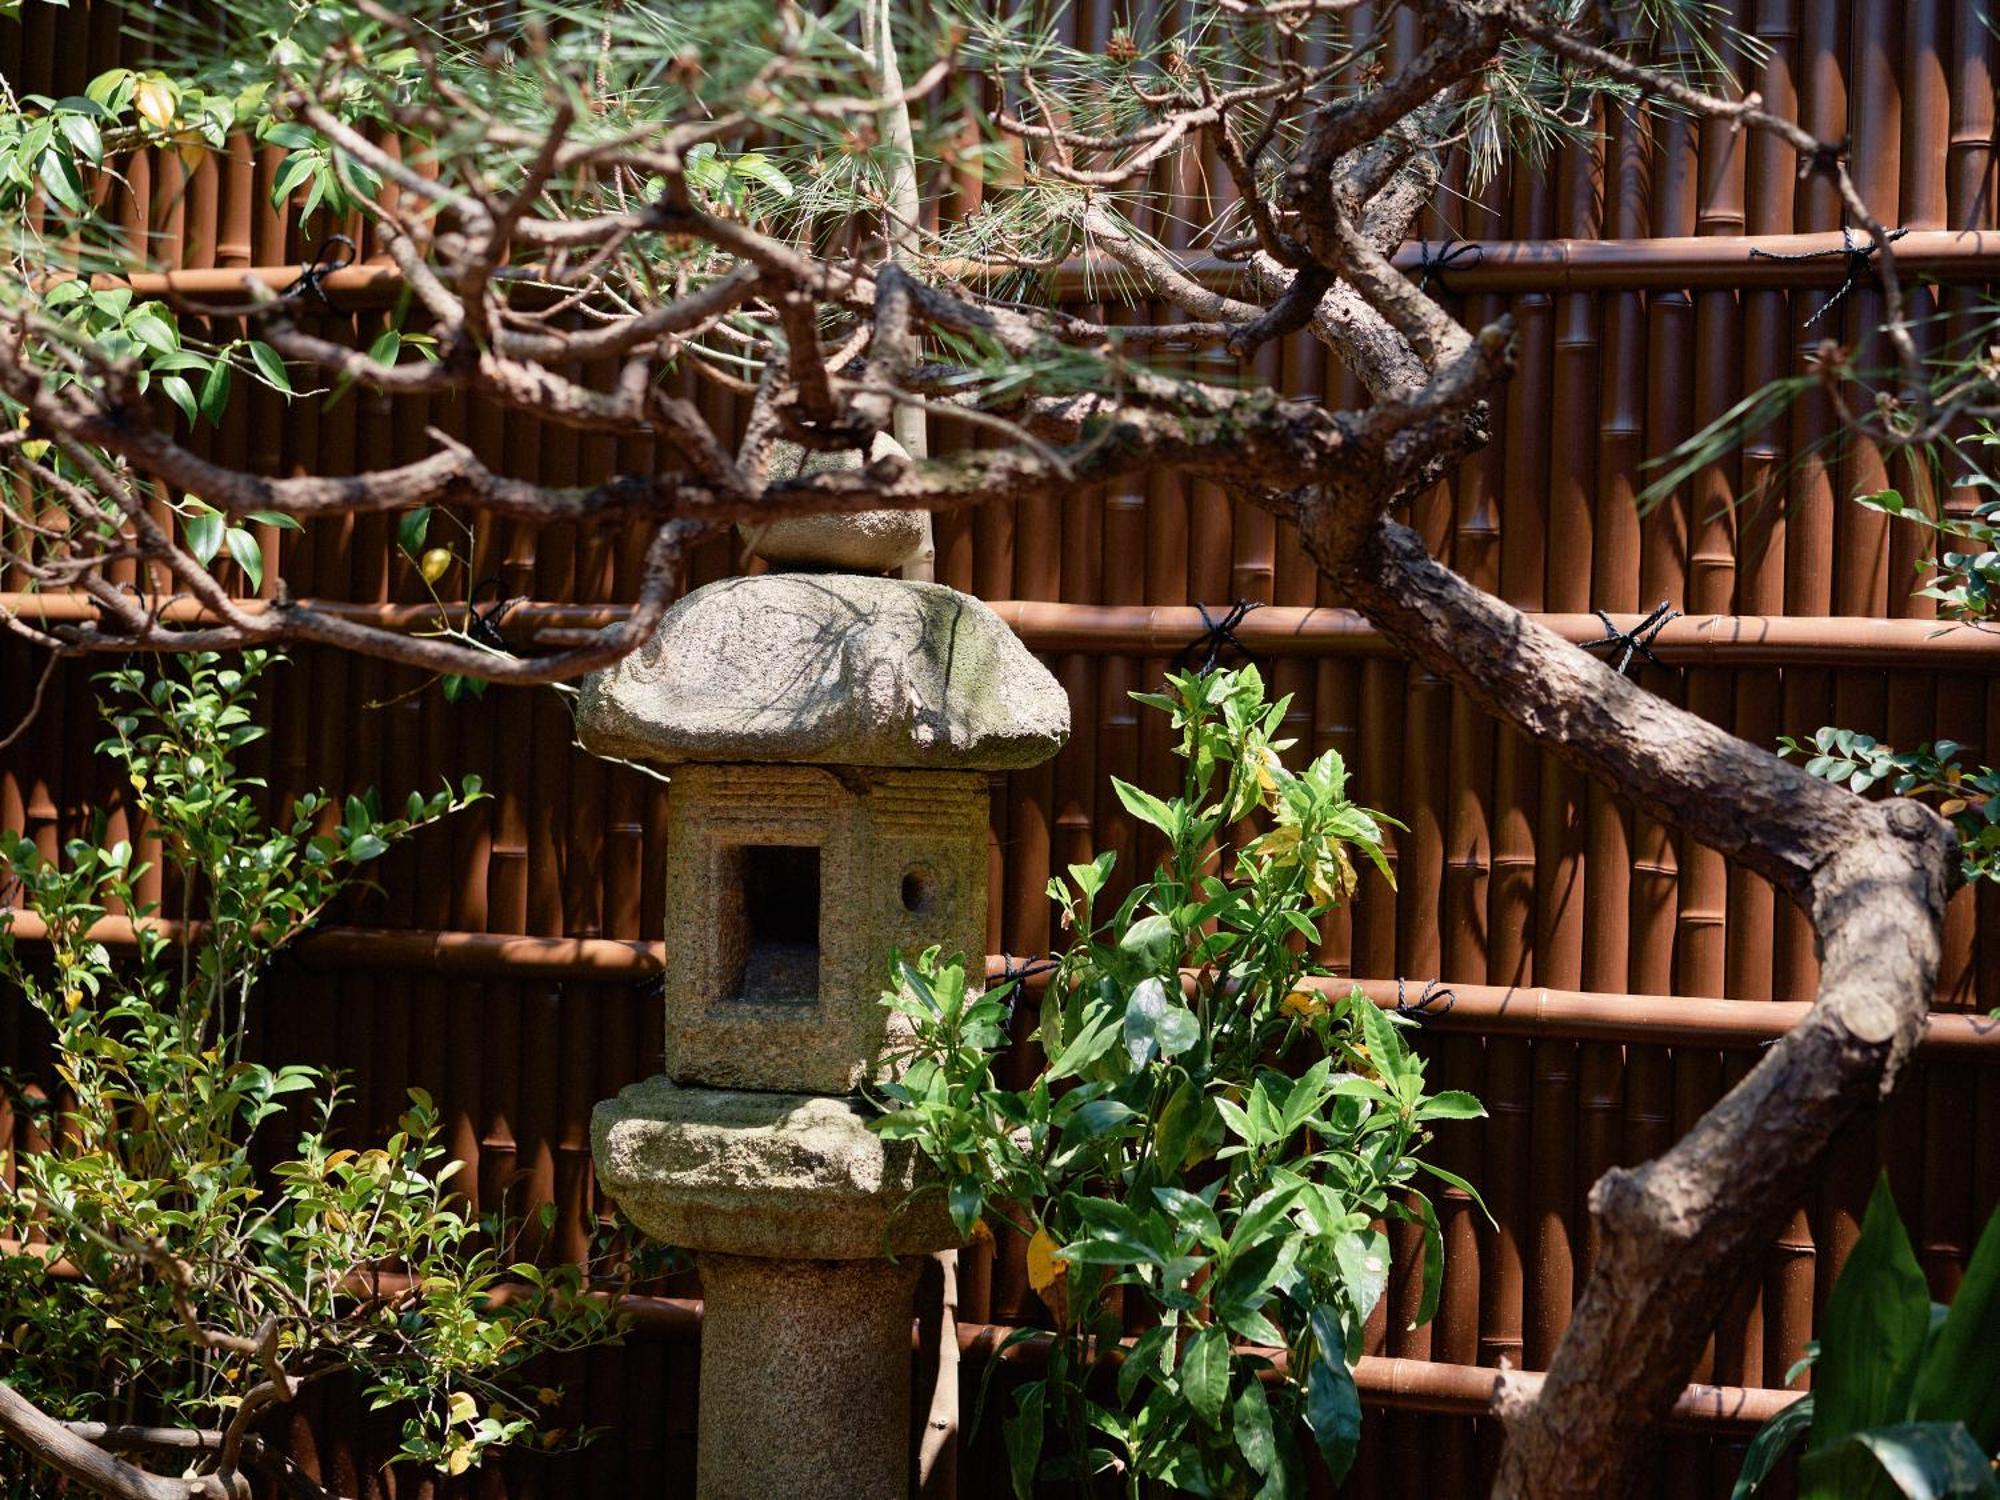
1769,1445
1874,1328
215,391
1333,1408
269,364
181,394
204,535
412,527
1960,1378
249,556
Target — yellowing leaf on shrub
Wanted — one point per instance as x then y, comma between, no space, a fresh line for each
1044,1270
459,1459
1304,1003
154,99
462,1408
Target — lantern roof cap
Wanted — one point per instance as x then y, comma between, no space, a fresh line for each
827,669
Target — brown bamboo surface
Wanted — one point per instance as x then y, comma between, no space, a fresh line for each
1611,979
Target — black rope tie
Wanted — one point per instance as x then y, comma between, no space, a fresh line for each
314,272
1013,970
1216,635
485,628
1860,256
1436,1000
1638,640
1447,256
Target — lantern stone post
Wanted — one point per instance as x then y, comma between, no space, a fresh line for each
829,737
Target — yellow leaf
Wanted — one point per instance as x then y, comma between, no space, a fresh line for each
1044,1270
462,1407
154,99
459,1459
1304,1003
1954,806
547,1396
437,562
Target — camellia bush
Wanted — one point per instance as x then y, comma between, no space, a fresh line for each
1211,1133
153,1277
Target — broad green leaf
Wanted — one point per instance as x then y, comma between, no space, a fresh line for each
1960,1378
1204,1373
1099,1035
964,1200
1769,1445
1911,1460
204,535
181,394
1250,1422
1024,1439
1151,942
215,391
755,165
1452,1104
1333,1407
1364,1268
84,136
411,529
1146,807
269,364
1875,1324
1157,1025
151,328
249,556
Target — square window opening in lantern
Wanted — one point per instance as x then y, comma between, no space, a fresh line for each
778,888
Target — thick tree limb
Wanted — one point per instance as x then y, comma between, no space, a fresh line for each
1680,1233
76,1458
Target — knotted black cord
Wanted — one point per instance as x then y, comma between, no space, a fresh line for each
1858,258
1436,1000
1638,639
1217,634
315,271
485,628
1429,265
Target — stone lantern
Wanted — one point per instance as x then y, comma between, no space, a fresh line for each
829,736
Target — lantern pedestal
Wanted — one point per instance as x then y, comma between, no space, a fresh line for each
805,1378
791,1204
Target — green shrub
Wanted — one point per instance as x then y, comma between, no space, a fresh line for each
204,1292
1168,1151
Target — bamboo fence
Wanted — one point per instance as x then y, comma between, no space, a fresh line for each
1612,978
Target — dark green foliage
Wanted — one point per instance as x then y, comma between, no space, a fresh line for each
1224,1150
1906,1393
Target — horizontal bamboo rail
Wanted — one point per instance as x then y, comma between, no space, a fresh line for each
1544,265
1287,631
1492,1010
1402,1384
